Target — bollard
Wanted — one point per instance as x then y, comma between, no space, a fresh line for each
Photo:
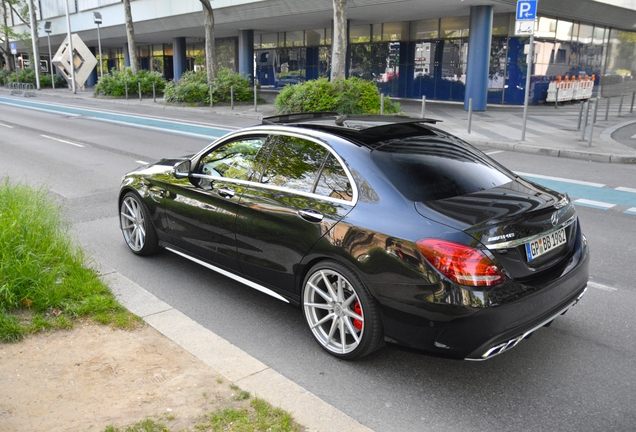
470,114
381,103
631,110
211,96
139,86
232,95
620,106
584,121
556,100
154,93
580,115
126,85
607,108
596,110
255,97
589,140
423,106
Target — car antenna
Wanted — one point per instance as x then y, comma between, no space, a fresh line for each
341,119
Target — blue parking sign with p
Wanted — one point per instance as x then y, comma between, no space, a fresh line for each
526,10
14,48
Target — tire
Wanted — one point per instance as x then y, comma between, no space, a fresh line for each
134,220
342,316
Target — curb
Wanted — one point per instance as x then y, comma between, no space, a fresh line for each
234,364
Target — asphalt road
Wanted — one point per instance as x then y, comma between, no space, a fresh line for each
578,374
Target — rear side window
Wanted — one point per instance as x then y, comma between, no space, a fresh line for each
428,169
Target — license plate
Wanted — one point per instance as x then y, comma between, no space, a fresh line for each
545,244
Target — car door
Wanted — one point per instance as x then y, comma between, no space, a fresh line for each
303,190
201,210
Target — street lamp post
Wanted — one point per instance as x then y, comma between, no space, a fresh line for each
97,18
70,47
47,29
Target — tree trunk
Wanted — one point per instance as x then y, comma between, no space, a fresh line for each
130,33
339,42
7,47
210,50
35,61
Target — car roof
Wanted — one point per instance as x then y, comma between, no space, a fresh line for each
367,129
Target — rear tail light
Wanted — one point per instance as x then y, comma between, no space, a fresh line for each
462,264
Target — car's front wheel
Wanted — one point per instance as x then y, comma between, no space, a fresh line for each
341,314
139,233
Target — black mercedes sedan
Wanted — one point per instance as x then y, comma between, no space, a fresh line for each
380,228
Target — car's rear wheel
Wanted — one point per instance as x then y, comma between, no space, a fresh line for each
341,314
139,233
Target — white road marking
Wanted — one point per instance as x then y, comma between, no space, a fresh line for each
624,189
580,182
601,286
595,204
7,126
142,162
62,141
494,152
631,211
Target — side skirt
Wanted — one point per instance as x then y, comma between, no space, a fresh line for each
231,275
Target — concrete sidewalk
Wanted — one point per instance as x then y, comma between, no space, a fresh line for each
549,131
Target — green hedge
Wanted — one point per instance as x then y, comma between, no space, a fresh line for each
28,76
345,96
193,88
114,83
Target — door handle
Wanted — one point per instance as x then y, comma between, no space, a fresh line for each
226,192
311,215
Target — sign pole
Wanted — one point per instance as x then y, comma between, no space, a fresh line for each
70,47
527,96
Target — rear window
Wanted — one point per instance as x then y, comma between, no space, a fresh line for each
431,168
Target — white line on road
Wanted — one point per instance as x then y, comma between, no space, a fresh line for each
7,126
62,141
601,286
624,189
596,204
580,182
142,162
631,211
210,138
494,152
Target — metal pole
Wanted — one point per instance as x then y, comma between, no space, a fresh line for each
126,85
139,87
101,62
232,96
15,64
556,100
589,141
607,109
631,110
620,106
596,110
584,121
211,97
154,93
70,46
48,36
423,106
580,115
530,60
381,103
470,115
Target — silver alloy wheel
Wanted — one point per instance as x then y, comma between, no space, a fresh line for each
333,311
133,223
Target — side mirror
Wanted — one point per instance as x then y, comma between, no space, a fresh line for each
182,169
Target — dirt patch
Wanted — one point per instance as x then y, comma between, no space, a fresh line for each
93,376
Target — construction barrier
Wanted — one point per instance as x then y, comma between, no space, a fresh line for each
568,90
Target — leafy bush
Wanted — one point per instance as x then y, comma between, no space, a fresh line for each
346,96
114,83
193,88
27,75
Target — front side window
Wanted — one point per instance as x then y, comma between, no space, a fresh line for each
233,160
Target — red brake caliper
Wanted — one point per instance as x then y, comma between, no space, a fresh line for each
357,309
